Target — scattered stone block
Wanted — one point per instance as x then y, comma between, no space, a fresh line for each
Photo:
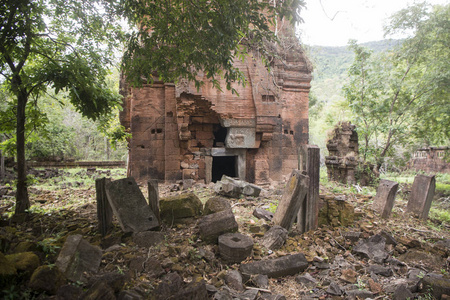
293,197
104,210
215,205
184,205
352,236
309,162
130,206
261,281
422,194
214,225
46,279
436,284
153,197
334,289
275,238
235,247
234,188
381,270
373,248
170,283
234,280
277,267
349,275
77,256
402,293
307,281
263,214
385,197
359,294
336,212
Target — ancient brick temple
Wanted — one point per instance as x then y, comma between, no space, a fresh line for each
179,132
343,153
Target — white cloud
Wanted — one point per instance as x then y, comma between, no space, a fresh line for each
334,22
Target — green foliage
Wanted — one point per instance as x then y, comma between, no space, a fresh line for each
401,96
182,39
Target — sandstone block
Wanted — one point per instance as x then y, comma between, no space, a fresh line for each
275,237
185,205
77,256
385,197
277,267
130,206
422,194
214,225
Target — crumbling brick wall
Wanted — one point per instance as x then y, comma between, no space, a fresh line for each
179,132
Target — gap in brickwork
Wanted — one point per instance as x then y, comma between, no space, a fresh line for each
223,165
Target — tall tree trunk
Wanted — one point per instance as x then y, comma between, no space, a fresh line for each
22,200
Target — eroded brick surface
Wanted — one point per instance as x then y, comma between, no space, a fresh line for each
176,129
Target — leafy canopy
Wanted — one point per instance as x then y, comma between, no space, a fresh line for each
191,39
401,96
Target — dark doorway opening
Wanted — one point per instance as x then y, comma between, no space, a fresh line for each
220,135
223,165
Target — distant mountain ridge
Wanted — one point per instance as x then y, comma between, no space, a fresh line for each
334,61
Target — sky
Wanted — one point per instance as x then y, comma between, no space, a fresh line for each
334,22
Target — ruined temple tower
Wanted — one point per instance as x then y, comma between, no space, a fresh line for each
179,132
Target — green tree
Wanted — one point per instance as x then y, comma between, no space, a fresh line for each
402,95
185,39
60,44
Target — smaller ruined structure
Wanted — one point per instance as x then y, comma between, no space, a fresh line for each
431,159
343,152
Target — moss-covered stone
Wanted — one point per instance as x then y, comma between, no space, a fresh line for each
185,205
24,262
336,212
7,270
47,279
216,204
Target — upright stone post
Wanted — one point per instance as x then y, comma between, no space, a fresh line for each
385,197
422,194
104,210
153,197
293,198
309,162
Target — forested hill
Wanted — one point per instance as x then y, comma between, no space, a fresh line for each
327,104
334,61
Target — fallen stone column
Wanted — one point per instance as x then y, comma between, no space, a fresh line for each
277,267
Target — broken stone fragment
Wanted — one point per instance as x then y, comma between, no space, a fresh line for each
275,238
234,188
263,214
184,205
77,257
214,225
277,267
373,248
437,284
234,280
306,280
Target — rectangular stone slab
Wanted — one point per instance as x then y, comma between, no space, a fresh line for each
130,206
385,197
422,194
293,197
277,267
